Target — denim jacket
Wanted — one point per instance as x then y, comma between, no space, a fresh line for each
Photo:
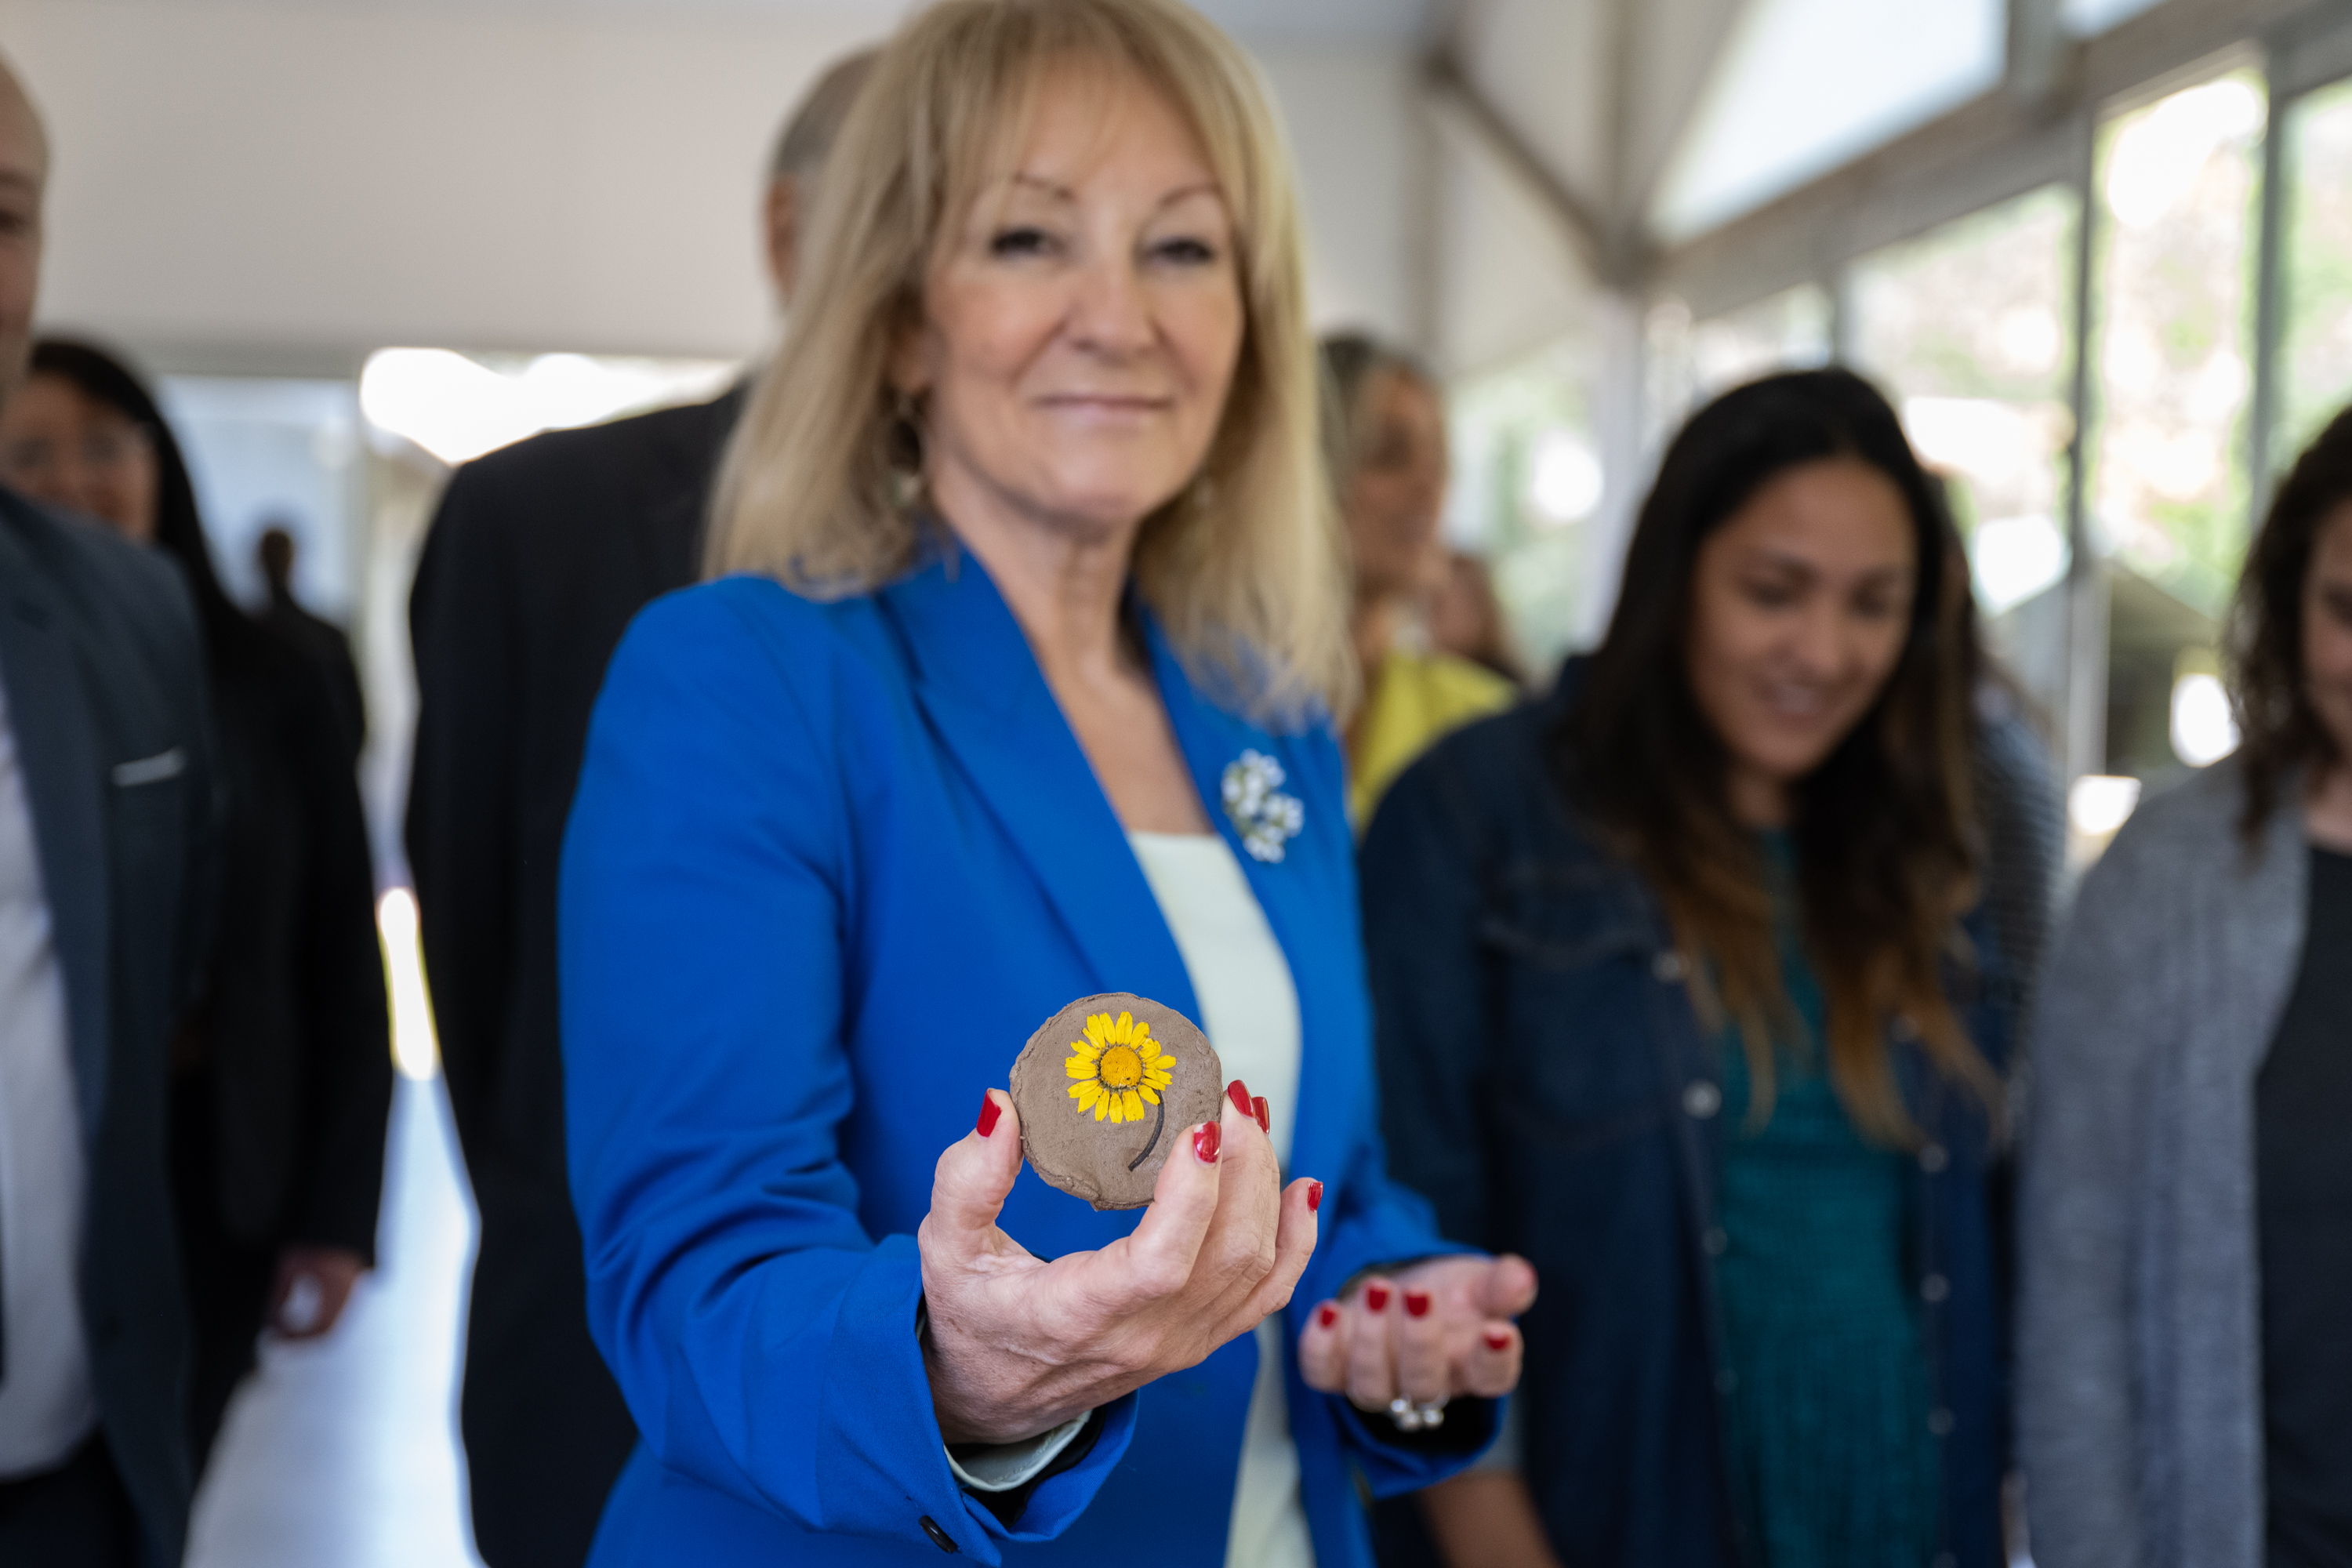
1547,1084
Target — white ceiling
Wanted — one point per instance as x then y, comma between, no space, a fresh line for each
1332,21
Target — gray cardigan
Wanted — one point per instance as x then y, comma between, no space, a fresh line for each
2140,1391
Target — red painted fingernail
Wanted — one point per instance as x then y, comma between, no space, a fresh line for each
1327,1315
989,1111
1497,1340
1376,1297
1265,1117
1205,1142
1416,1303
1238,1092
1314,1197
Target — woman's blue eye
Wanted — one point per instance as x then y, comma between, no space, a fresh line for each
1186,252
1021,242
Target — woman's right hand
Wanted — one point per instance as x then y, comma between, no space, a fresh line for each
1016,1347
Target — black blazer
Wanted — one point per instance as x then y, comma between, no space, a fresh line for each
294,1031
105,681
540,556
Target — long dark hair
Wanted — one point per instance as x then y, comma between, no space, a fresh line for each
228,631
1884,863
2279,730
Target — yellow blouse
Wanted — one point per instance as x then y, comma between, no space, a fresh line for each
1410,699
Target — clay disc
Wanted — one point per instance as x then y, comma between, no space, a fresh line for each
1122,1045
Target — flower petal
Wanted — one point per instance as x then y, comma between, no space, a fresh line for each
1150,1095
1134,1106
1077,1068
1124,1030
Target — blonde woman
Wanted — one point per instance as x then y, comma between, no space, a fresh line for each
1385,450
1019,688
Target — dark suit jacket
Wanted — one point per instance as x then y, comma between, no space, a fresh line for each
325,642
540,556
294,1031
105,681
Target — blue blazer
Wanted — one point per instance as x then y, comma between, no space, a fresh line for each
829,866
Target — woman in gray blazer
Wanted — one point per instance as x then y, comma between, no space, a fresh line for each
2186,1330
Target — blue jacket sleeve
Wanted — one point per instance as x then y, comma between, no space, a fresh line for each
1376,1222
1382,1224
766,1344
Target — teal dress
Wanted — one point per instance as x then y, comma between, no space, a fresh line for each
1830,1404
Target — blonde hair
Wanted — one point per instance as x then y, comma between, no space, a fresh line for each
1242,566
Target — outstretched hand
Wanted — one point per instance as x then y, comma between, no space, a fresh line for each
1016,1347
1425,1335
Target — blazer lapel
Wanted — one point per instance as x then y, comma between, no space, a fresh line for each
48,710
979,687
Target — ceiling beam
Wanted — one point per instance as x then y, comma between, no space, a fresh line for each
1670,105
1609,257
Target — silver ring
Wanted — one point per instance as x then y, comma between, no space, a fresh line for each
1412,1416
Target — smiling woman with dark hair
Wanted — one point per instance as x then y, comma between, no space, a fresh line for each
1672,996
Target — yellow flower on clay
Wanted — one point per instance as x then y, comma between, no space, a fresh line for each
1119,1069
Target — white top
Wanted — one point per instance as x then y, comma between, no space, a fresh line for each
46,1403
1249,1010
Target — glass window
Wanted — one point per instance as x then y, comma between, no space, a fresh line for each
1804,85
2180,183
266,453
1970,330
1526,482
2088,18
1786,331
2315,358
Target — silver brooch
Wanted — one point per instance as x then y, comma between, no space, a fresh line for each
1266,818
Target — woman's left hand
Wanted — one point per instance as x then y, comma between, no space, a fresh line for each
1423,1335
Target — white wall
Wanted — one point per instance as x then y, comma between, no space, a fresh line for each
247,185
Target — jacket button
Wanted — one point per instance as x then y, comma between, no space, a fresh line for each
1667,966
1933,1158
1715,1241
1934,1288
1702,1099
1939,1422
940,1538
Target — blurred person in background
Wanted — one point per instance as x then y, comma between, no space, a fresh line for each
2185,1362
274,552
538,557
1384,445
106,849
1673,996
281,1080
1014,687
1466,618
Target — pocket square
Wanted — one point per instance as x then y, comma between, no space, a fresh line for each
151,770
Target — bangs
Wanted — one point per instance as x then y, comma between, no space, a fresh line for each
980,103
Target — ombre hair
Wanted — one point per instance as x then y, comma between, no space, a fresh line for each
1242,566
1886,861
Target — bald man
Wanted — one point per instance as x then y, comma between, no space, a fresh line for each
106,854
538,557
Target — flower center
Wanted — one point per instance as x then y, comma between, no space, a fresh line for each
1121,1067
